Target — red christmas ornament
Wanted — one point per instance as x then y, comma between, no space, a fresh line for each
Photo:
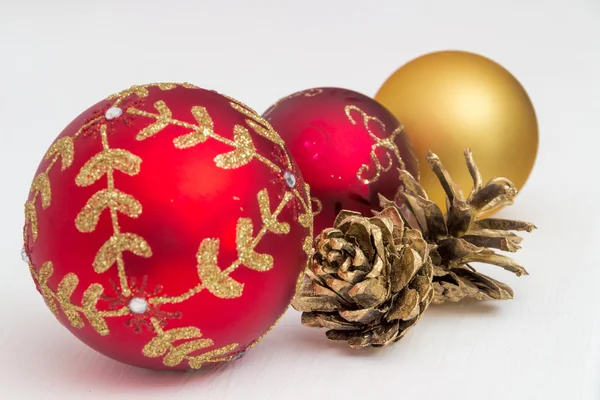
167,226
347,145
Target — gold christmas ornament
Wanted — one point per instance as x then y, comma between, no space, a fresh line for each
451,100
371,278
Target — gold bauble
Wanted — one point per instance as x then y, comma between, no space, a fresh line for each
452,100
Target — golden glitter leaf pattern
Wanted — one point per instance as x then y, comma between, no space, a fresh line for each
112,250
41,185
63,294
46,271
387,144
258,123
64,149
106,161
268,219
245,248
66,287
261,126
162,121
179,353
205,123
30,220
102,164
88,217
61,149
308,244
214,280
164,343
90,301
217,281
211,356
306,219
244,150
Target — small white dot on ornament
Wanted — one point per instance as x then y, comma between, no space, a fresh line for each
137,305
290,179
113,112
25,257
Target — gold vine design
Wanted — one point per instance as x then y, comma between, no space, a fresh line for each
385,143
63,294
244,149
217,281
164,343
64,150
212,278
106,163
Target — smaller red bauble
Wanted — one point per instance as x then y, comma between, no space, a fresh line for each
347,145
167,226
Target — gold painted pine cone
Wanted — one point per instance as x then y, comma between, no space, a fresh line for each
370,280
461,237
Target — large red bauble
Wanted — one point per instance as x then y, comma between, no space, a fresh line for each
347,145
167,227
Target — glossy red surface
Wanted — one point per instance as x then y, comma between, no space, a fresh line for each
331,143
185,198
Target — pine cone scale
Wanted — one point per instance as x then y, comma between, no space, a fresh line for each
369,293
339,287
363,316
326,320
385,334
503,224
501,241
406,306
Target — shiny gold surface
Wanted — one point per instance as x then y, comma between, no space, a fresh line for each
452,100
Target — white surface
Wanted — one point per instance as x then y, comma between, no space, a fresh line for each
58,57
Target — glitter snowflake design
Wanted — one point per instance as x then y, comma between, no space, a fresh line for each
142,310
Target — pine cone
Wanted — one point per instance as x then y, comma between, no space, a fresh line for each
461,237
370,280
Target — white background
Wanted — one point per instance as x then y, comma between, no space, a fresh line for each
58,57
